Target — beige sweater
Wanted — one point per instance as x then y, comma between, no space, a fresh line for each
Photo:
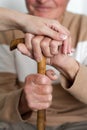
68,105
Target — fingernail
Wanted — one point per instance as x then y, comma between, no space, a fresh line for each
63,36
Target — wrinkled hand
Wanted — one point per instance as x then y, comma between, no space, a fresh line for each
54,51
66,64
36,46
51,35
38,90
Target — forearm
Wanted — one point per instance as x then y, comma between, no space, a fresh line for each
79,86
68,67
10,19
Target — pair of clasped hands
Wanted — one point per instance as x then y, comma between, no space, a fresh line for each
38,89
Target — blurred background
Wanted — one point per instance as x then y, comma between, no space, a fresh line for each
79,6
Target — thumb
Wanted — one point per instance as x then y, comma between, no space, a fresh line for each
51,74
22,48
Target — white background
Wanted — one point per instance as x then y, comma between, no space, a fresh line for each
79,6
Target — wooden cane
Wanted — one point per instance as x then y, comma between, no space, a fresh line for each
41,68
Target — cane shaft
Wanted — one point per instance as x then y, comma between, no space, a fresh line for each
41,68
41,114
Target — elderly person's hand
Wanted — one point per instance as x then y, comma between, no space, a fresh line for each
54,51
37,92
66,64
36,46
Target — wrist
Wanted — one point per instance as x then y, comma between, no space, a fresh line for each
18,21
26,22
69,67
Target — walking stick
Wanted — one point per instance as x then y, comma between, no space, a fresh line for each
41,68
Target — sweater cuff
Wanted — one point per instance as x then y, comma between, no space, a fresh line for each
15,98
78,87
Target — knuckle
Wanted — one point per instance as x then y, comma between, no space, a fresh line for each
53,45
35,40
49,98
43,79
40,79
48,89
44,44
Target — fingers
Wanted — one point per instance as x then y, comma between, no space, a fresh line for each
38,105
66,47
23,49
54,34
56,31
54,46
28,41
45,46
38,91
51,74
36,49
36,46
26,48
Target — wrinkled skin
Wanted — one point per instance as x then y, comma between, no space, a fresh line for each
38,89
53,9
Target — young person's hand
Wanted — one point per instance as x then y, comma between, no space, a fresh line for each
11,19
